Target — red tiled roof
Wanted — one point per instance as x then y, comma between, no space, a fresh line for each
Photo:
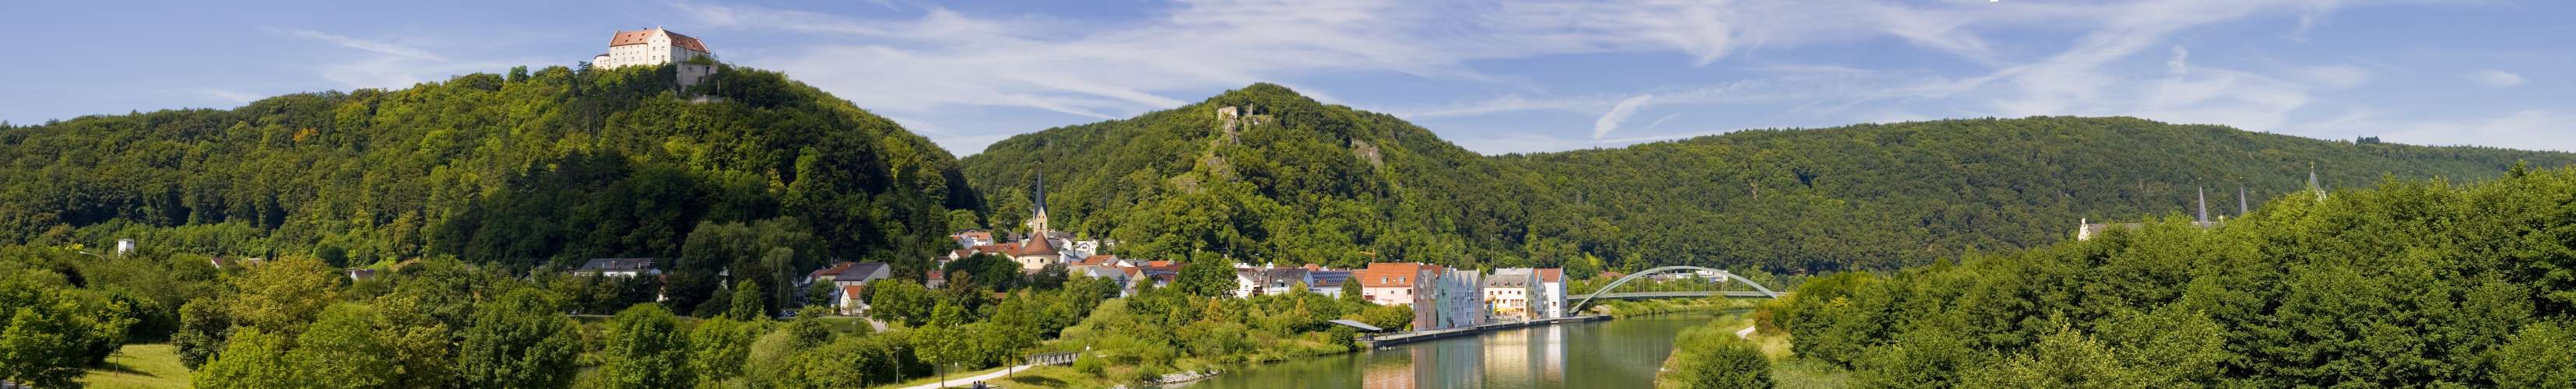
638,37
1096,260
1390,275
685,41
853,290
1034,247
1551,275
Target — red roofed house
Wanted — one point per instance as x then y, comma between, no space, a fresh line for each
1389,283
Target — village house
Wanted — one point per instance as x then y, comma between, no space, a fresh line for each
1386,283
1269,281
971,237
847,283
1508,292
617,267
1327,282
1550,303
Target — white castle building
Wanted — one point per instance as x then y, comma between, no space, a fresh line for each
655,47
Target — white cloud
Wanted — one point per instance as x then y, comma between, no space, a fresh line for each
2178,66
1618,113
2492,78
2337,76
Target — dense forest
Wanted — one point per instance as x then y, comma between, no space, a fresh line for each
1296,181
528,170
2408,283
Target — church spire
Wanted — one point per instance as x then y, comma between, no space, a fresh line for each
2204,204
1037,209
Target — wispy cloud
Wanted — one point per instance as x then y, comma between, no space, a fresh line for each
361,44
1618,113
2492,78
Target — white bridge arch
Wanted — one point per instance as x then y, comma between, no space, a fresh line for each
1605,289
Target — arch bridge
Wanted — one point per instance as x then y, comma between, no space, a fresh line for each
1604,292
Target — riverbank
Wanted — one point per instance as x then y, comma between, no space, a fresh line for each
1787,371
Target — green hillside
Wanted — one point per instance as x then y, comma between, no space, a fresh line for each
1328,184
525,169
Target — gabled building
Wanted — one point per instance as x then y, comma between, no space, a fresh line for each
617,267
1269,281
971,237
1550,302
1386,283
1327,282
848,282
1447,298
1508,293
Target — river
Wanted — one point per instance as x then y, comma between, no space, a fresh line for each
1622,353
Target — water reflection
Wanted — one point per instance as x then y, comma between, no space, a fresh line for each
1613,354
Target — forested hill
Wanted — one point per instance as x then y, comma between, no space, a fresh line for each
1327,184
528,169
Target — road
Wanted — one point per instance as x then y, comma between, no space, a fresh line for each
970,381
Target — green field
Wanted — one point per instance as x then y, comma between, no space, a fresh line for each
154,365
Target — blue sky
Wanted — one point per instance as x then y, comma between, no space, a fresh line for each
1494,76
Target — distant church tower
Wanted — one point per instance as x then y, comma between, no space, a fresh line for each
1037,206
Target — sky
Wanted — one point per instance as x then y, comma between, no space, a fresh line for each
1507,76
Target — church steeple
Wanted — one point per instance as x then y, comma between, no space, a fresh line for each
2204,205
2241,208
1037,209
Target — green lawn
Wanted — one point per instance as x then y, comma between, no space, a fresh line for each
154,365
1054,377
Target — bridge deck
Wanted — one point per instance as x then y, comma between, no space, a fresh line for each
1658,295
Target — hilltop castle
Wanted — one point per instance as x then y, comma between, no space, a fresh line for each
655,47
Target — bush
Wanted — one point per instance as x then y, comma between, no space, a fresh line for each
1710,357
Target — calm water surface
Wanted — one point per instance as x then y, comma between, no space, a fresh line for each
1621,353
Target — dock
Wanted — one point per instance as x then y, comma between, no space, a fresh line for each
1386,340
